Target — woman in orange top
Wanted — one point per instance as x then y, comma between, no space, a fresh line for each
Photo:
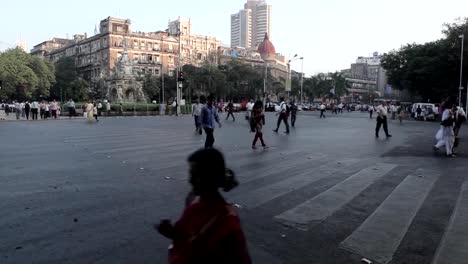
209,230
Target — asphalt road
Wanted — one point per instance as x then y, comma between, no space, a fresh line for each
329,192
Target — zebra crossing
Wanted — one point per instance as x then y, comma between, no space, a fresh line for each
380,235
267,176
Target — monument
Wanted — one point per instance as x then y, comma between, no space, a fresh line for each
122,85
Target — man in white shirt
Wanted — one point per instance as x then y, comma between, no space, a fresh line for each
322,110
249,109
382,119
196,113
34,109
283,116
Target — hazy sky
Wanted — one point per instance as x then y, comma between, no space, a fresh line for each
330,34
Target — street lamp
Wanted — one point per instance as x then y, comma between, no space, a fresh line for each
462,36
302,75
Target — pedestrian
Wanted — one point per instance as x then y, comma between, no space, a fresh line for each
90,111
393,111
42,108
99,108
209,116
47,110
96,111
196,113
282,116
7,109
334,109
121,109
34,109
382,113
108,108
54,109
293,111
340,108
460,118
22,110
401,113
174,107
209,230
371,111
27,109
418,113
17,110
323,108
230,111
71,108
248,111
445,136
258,119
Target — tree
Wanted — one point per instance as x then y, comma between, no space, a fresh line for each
152,86
69,84
430,70
24,76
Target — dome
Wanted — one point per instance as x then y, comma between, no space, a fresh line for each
266,47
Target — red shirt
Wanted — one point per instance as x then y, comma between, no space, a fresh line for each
209,232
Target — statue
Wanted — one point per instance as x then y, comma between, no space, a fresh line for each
122,86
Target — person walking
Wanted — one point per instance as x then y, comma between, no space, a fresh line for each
42,107
27,109
7,109
248,111
18,110
293,111
99,108
90,111
108,108
96,111
209,230
174,107
209,116
382,119
34,109
54,108
419,113
460,118
371,111
323,108
230,111
282,116
22,110
258,119
196,113
47,110
121,109
71,108
445,136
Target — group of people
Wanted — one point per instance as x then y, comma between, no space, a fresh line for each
32,109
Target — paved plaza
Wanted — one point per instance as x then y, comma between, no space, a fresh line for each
329,192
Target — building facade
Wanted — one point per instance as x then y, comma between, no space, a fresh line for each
241,29
249,25
366,77
149,52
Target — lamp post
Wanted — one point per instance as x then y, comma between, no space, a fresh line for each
462,36
302,75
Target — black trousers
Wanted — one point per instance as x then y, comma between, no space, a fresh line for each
293,120
230,114
27,114
381,121
322,114
283,117
371,113
209,137
71,111
34,113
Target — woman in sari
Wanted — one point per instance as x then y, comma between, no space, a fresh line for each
209,230
445,135
89,111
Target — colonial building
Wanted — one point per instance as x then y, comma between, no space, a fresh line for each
149,52
264,56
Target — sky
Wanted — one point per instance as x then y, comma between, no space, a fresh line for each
329,34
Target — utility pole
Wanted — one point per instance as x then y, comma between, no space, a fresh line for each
179,69
462,36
